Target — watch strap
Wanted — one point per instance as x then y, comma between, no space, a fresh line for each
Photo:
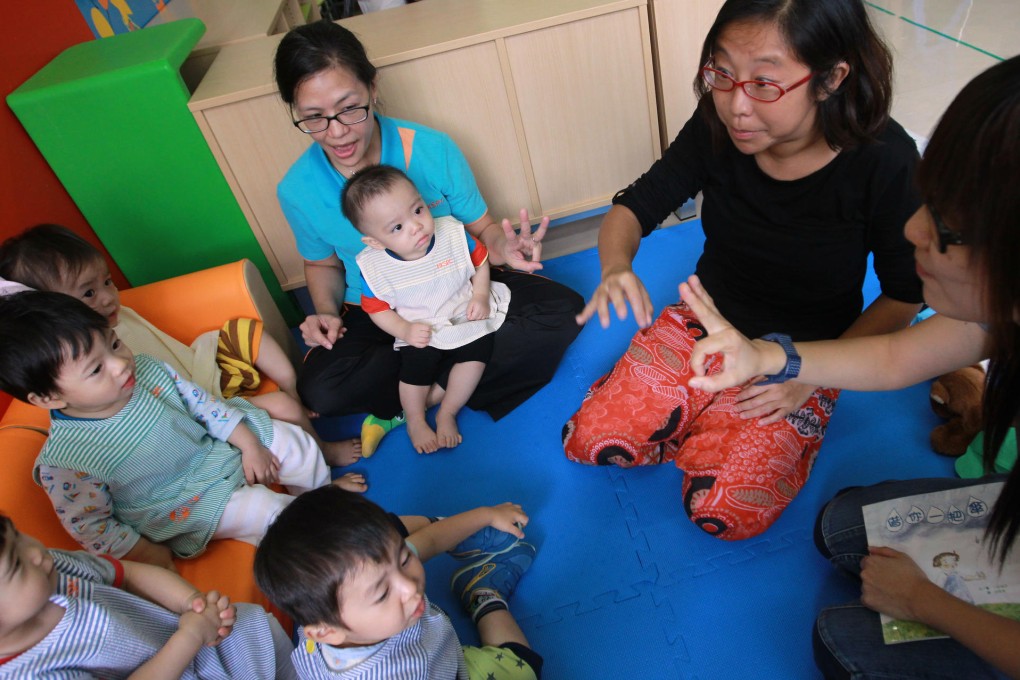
792,368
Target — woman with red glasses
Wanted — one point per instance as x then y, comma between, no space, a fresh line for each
803,175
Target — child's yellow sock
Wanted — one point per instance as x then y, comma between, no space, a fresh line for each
374,429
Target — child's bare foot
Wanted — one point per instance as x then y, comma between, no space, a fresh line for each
423,438
342,453
352,481
446,429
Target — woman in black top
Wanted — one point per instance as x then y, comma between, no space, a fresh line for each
803,175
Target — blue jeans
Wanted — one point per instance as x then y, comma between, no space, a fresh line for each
848,639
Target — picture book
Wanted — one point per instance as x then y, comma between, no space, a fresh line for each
944,532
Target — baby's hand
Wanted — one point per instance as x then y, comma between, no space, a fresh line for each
260,465
478,308
509,517
418,335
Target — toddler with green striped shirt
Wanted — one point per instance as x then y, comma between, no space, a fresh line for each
140,463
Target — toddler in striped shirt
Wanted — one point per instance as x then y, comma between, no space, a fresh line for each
141,463
70,614
426,282
354,585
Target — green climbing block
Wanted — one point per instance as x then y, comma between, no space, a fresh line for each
111,118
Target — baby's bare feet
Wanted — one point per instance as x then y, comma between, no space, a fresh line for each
339,454
446,429
423,438
352,481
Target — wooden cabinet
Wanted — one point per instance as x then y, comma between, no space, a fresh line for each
552,101
679,29
233,21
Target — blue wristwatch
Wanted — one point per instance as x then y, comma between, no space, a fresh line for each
792,368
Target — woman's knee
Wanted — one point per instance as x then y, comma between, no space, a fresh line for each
572,446
825,659
596,450
707,505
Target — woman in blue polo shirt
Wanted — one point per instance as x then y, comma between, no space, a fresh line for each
323,73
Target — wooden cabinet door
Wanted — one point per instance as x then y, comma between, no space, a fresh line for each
462,93
586,98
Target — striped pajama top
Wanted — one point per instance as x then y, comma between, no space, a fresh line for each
428,650
107,633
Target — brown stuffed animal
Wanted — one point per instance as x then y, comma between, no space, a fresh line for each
957,397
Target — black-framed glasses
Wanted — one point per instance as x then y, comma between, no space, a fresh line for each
758,90
351,116
947,237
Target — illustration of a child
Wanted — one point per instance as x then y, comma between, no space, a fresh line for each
953,583
70,614
426,283
141,463
227,363
337,565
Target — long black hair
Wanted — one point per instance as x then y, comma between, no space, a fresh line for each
969,175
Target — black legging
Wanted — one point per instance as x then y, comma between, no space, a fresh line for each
360,373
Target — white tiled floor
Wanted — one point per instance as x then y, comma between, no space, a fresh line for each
938,46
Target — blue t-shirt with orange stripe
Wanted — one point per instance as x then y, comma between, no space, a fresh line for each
309,193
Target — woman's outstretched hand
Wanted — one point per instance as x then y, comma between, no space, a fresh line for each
619,288
742,359
524,250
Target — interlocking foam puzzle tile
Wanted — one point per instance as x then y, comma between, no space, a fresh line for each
624,586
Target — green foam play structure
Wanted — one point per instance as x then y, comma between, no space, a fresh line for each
111,118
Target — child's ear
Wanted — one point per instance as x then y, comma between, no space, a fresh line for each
48,402
326,634
372,243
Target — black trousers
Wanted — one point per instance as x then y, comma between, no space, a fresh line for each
361,372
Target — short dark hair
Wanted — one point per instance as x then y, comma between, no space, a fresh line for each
315,47
45,256
820,34
314,545
370,182
39,332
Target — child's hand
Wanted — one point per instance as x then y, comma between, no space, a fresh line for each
478,308
509,517
418,335
260,465
209,618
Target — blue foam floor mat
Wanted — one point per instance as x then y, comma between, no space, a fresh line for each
624,586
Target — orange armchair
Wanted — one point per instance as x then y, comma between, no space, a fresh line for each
185,307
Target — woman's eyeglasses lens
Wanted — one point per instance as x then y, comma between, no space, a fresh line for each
755,89
315,124
947,237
